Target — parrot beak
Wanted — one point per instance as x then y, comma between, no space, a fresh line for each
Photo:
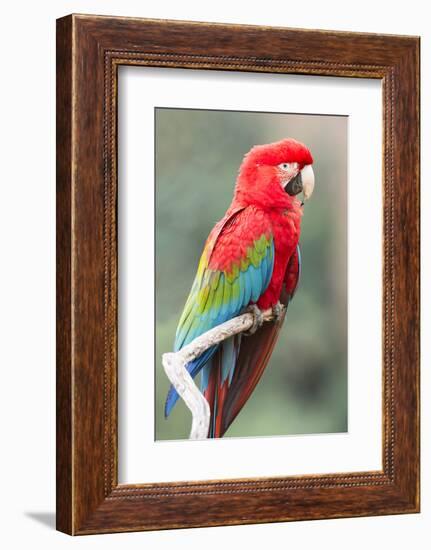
303,183
307,176
294,186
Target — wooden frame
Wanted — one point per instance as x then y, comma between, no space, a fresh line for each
89,51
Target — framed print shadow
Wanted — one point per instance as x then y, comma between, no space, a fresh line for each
237,274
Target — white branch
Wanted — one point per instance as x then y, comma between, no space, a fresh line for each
175,367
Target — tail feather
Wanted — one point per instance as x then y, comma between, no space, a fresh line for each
253,358
216,381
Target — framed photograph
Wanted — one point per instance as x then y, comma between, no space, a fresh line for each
237,274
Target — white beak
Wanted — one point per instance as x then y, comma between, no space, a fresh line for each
307,176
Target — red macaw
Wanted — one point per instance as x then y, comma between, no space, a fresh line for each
251,259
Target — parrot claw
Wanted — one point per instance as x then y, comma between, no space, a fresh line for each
277,311
257,319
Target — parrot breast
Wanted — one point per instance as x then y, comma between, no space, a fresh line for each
286,229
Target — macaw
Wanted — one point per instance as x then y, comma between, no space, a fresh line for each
251,259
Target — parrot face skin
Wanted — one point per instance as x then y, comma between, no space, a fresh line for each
250,257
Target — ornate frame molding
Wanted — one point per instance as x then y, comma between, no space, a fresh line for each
89,498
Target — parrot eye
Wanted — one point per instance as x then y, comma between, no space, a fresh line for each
287,166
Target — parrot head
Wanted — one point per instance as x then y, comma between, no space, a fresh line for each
272,175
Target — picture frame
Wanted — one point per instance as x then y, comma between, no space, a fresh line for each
89,51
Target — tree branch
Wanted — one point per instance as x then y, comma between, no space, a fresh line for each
175,367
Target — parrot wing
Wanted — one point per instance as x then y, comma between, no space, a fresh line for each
250,354
234,270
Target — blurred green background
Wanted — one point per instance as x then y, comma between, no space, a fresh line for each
198,153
